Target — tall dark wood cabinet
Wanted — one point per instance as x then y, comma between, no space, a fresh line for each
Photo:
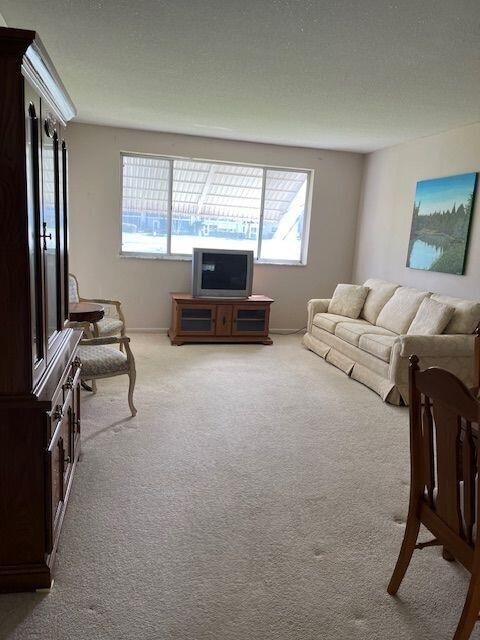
39,367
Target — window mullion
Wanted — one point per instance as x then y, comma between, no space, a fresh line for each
262,207
169,213
305,220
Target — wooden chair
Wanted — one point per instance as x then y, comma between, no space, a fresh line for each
444,496
112,324
100,359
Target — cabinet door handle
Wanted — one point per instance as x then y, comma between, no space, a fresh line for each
45,235
224,320
58,413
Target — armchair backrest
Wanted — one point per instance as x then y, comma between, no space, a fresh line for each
73,295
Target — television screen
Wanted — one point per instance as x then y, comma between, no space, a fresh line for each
224,271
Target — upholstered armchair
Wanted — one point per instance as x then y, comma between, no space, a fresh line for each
100,359
113,322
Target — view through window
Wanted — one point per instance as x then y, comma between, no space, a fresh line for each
170,206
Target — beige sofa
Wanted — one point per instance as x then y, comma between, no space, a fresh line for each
374,348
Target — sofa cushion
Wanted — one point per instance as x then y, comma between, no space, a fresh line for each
328,321
378,345
352,331
400,310
431,319
466,315
348,300
379,294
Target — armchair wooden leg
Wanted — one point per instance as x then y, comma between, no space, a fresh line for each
94,386
131,386
406,552
470,610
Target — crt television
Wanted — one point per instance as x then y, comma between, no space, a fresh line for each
222,273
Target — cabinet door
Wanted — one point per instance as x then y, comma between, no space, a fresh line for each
250,320
224,320
33,164
51,228
198,319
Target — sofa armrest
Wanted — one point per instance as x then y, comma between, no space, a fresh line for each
452,352
441,346
316,305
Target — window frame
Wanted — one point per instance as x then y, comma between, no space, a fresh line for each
143,255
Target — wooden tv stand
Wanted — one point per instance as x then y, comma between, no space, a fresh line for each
219,319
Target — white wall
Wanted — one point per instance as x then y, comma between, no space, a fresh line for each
144,285
385,211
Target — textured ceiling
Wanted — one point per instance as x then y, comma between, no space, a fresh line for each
345,74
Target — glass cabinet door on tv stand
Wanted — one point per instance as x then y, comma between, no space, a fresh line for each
197,319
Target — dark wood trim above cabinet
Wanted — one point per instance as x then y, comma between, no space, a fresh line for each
37,66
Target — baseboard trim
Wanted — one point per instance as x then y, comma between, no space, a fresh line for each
287,331
164,330
146,330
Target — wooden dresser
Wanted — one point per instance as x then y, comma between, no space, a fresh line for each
39,367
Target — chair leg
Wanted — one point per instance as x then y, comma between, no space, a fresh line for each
406,552
446,555
94,386
471,609
131,386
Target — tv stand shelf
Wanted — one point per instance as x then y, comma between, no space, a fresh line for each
219,319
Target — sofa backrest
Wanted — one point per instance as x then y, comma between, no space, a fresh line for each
398,314
466,316
380,293
465,320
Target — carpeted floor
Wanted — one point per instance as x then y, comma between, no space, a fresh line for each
258,495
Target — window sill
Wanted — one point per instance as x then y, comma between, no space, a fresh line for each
180,258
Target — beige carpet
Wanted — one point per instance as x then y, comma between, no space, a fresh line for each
258,495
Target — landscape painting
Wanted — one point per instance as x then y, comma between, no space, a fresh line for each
442,213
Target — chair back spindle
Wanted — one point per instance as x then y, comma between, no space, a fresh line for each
441,422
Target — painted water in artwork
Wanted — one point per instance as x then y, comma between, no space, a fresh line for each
441,222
